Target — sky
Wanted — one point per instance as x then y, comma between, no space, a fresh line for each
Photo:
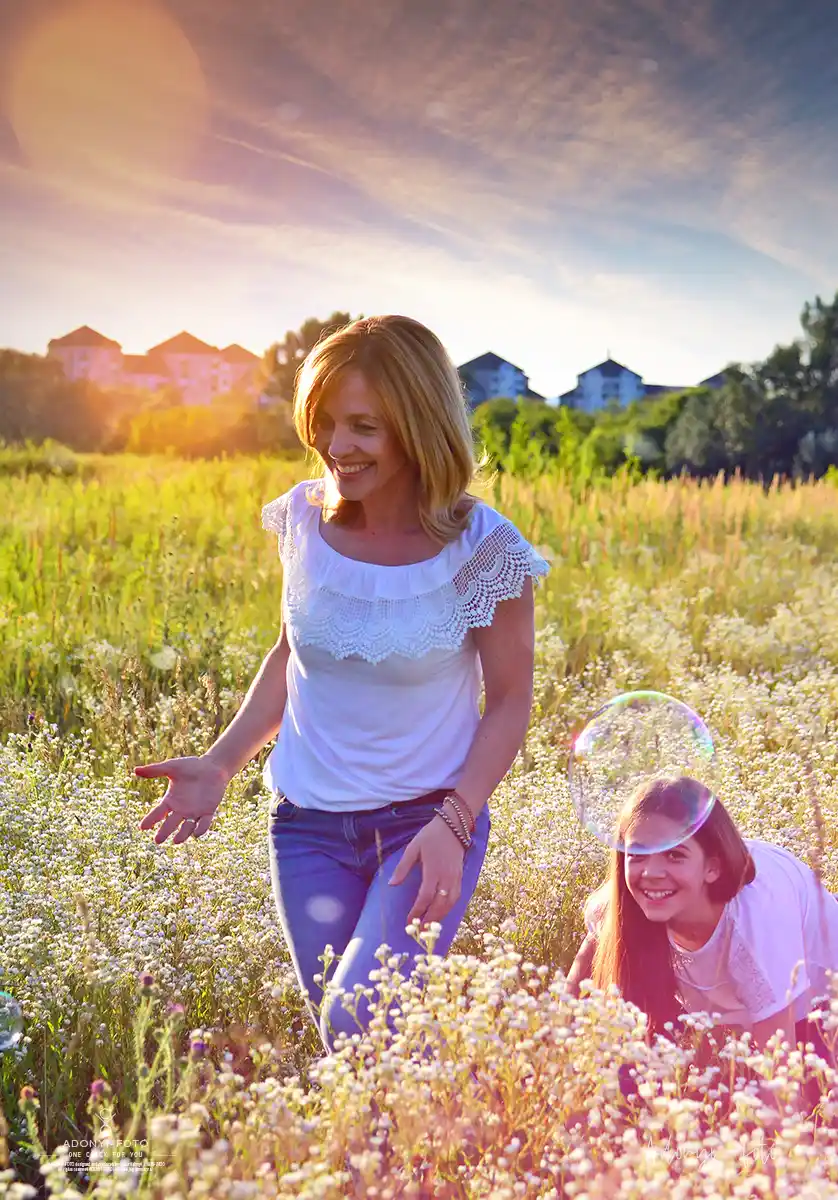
553,180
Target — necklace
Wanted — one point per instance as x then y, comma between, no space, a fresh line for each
684,959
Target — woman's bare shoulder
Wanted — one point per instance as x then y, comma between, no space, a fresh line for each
465,504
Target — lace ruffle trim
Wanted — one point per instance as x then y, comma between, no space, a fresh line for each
752,985
374,629
275,519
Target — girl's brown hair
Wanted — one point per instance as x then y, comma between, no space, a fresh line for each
422,398
633,952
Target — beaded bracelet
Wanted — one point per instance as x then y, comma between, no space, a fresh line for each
456,812
462,825
454,795
458,804
463,838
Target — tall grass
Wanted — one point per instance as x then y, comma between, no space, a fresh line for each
101,576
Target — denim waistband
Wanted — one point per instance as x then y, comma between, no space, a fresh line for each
435,797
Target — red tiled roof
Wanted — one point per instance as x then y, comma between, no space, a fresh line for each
238,354
85,337
145,364
184,343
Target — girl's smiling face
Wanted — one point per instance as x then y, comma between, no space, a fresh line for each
667,884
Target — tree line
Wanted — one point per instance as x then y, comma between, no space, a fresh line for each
775,417
778,417
39,405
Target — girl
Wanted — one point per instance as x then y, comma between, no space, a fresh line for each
400,591
719,924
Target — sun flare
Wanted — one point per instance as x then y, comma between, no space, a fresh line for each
107,93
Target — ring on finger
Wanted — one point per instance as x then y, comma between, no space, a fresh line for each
442,891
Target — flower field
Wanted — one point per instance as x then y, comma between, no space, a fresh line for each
166,1051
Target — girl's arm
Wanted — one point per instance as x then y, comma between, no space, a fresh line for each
762,1031
765,1029
582,965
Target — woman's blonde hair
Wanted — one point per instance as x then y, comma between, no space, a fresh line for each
422,398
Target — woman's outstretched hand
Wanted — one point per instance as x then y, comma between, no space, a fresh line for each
196,788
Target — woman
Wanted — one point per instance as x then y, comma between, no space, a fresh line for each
399,591
734,927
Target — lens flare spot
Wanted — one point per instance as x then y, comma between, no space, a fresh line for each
107,94
324,909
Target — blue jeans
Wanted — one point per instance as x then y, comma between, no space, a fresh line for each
330,876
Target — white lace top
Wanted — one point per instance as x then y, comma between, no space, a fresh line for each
774,944
383,676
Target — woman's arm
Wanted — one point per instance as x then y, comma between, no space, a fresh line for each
507,650
197,783
507,653
260,715
583,965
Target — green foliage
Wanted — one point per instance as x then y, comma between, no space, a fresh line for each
283,359
694,443
528,455
531,439
211,431
777,417
45,458
38,402
774,418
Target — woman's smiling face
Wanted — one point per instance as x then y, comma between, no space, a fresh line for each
355,441
667,884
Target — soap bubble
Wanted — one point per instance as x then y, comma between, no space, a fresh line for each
632,741
11,1022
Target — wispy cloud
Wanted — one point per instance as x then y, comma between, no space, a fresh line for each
605,161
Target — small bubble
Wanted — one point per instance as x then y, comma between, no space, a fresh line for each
631,746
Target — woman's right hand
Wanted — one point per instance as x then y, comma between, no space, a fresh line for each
196,788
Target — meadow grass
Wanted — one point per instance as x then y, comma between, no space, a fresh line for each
137,599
